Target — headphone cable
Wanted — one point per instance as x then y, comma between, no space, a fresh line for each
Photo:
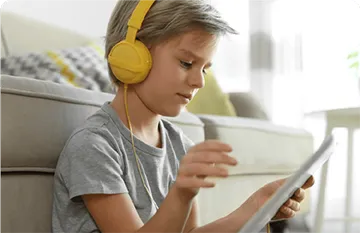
133,146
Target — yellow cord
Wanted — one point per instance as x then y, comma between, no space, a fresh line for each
133,145
268,228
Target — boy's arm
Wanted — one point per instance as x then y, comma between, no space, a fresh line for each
116,213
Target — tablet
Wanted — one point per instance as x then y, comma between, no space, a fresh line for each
259,220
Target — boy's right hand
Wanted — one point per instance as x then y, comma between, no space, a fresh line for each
200,162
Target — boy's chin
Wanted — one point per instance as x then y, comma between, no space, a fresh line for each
172,112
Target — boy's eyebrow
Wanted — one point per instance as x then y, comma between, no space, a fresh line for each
191,54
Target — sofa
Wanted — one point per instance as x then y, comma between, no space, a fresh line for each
37,117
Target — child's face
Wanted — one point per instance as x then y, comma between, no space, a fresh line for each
177,72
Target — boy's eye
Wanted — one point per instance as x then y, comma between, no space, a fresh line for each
186,65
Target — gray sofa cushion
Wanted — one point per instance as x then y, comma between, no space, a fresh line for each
247,106
39,116
37,119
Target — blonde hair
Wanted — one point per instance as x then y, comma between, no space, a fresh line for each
165,19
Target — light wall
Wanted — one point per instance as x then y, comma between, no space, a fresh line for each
90,17
71,14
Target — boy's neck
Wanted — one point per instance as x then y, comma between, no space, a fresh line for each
144,122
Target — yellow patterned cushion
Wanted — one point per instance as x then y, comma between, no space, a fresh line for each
83,67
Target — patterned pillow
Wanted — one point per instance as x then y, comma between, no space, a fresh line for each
83,67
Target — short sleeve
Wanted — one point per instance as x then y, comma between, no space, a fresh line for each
91,165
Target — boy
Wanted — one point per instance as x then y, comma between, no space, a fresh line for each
142,175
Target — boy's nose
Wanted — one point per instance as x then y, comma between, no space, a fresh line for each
196,80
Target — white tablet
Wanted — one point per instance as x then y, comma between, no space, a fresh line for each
259,220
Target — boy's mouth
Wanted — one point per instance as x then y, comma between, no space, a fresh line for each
187,96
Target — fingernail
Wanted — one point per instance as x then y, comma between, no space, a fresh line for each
224,173
234,161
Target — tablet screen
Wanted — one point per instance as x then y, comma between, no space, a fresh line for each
259,220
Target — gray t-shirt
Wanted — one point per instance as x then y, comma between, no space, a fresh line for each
98,158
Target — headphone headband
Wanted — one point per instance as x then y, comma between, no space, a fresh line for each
137,18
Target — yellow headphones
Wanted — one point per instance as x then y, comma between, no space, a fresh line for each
130,60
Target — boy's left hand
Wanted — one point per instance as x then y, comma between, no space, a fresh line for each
290,207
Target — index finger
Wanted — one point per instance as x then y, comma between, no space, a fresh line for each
211,145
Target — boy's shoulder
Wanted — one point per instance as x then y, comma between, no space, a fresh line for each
94,130
177,134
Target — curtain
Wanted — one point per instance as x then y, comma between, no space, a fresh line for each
230,63
266,52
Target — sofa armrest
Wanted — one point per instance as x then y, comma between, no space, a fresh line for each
246,105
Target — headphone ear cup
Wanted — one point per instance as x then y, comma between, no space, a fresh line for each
130,62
